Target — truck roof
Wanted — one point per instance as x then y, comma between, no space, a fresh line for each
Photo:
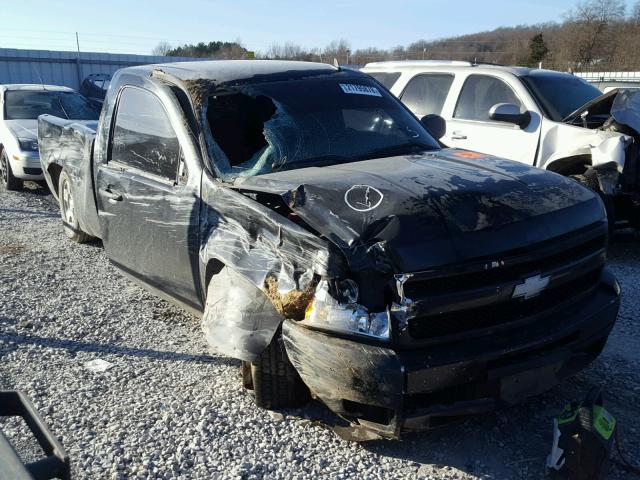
417,63
34,86
229,70
454,65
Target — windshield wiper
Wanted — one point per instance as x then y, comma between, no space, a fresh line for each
62,108
397,150
332,159
319,161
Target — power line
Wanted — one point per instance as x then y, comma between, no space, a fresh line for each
101,37
102,42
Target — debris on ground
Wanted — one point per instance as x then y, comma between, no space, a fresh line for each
98,365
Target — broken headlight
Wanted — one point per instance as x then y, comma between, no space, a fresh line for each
27,145
327,313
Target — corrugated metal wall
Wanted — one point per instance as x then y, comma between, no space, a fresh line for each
66,68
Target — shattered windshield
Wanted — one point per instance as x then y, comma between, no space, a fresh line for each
30,104
560,94
266,127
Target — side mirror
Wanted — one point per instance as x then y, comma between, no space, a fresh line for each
510,113
435,125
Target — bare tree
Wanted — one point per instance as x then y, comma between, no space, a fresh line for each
366,55
635,13
595,34
162,48
588,24
337,49
287,51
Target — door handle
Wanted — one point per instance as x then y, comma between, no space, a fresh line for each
112,196
458,135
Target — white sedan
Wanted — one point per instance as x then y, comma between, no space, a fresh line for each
21,104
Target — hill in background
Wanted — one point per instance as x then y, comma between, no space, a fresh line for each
594,35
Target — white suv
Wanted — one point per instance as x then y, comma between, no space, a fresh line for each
20,106
549,119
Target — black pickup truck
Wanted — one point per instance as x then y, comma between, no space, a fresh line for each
327,240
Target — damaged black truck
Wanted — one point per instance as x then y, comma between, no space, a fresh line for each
327,240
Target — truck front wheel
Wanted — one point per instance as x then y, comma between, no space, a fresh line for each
67,211
8,180
273,379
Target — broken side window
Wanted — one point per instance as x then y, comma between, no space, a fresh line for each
237,122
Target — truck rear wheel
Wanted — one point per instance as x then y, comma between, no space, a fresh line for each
274,381
67,211
8,180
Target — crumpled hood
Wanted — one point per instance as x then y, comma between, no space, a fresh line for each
607,143
626,109
23,129
622,104
410,213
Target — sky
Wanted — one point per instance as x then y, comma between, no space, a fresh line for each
136,26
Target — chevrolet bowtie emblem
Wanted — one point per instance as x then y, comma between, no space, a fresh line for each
531,287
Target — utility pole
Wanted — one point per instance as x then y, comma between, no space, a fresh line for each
78,65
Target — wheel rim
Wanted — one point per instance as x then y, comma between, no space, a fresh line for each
68,211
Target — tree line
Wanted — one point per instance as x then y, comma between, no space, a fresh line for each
594,35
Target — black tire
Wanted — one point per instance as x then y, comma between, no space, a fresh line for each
275,382
8,180
67,211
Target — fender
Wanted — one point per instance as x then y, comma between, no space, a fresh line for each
271,269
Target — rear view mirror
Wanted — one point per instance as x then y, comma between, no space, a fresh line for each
510,113
435,125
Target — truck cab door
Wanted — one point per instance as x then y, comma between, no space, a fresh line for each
470,127
148,197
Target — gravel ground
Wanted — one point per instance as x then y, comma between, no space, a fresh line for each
170,408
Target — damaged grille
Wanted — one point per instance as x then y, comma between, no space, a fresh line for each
440,285
475,300
502,313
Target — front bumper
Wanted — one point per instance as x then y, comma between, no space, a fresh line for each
391,391
26,166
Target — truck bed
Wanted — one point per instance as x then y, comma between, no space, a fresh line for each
68,145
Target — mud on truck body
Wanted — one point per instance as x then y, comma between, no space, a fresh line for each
328,242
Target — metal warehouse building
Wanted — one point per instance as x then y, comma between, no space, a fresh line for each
67,68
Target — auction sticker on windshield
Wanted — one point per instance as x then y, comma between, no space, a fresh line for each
360,89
